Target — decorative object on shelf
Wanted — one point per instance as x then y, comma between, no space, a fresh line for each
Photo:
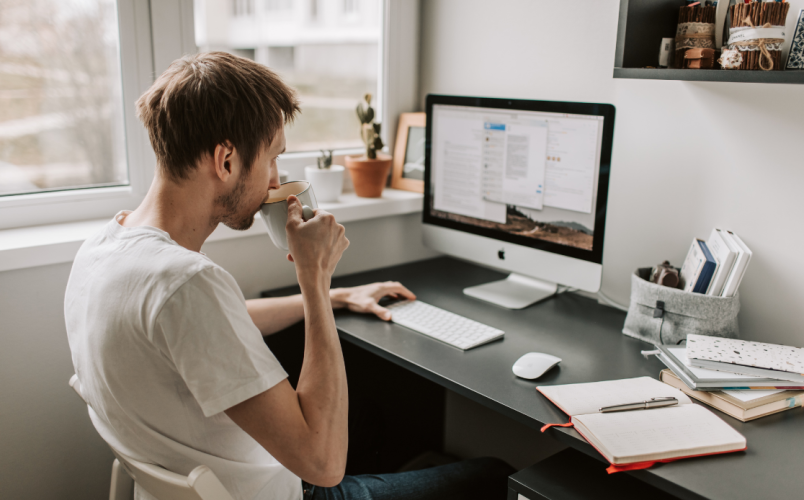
721,27
370,171
326,178
758,32
409,153
795,59
695,30
731,59
666,52
699,58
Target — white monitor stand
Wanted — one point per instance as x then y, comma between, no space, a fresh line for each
535,273
514,292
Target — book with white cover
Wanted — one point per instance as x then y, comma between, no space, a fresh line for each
739,267
722,250
701,379
746,357
638,439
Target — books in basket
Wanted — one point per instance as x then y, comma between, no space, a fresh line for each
725,251
746,358
701,379
716,266
632,440
742,405
698,268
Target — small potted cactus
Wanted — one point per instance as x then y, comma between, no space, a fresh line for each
326,178
369,171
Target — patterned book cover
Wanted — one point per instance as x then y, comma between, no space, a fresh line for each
746,353
795,59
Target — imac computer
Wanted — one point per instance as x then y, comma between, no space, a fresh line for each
521,186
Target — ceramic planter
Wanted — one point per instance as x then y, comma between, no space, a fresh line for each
368,176
327,182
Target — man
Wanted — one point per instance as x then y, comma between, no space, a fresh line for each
165,345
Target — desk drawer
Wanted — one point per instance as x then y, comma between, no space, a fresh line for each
571,475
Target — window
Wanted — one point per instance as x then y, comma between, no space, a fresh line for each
332,64
349,6
61,104
242,7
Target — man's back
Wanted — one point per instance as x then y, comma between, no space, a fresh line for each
162,343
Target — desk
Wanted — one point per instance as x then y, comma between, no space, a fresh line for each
587,336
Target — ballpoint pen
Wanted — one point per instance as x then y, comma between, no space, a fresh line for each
641,405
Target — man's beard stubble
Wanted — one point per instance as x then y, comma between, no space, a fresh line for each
233,215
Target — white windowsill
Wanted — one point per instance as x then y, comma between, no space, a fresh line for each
58,243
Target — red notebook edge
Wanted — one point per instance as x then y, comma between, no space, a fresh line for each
612,468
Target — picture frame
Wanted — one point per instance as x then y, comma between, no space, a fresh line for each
795,58
408,172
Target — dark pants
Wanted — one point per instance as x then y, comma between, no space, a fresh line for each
479,478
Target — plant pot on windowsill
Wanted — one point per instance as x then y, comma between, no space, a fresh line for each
369,175
326,178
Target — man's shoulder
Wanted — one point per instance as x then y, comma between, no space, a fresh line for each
145,265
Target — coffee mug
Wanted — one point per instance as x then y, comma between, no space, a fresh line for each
274,209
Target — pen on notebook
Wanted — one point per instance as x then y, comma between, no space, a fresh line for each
641,405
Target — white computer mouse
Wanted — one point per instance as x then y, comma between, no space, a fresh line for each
534,364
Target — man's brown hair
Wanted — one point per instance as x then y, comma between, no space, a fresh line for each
204,100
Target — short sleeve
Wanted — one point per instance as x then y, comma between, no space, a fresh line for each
204,328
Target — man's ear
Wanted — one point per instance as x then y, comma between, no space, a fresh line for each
222,158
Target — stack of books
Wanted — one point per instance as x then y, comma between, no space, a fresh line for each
715,266
705,370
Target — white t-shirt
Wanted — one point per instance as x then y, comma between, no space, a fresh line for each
162,343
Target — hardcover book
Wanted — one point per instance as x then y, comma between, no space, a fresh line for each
742,405
698,268
701,379
746,357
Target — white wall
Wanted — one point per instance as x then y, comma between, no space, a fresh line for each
48,447
687,156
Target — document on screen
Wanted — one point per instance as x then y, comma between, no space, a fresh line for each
514,156
457,157
571,163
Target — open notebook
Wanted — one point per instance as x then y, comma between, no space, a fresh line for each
637,439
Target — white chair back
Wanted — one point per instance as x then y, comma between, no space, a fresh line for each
201,484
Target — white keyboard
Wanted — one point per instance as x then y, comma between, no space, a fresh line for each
442,325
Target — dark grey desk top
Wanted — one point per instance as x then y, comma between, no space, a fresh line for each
587,337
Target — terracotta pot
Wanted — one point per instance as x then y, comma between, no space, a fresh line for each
369,176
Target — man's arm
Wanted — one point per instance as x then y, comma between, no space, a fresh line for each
272,315
306,429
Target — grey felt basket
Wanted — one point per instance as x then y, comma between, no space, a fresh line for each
663,315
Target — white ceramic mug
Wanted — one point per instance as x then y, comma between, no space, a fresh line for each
275,209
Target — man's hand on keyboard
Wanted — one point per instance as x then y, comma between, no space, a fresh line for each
365,298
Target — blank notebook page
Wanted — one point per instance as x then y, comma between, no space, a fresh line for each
647,435
579,399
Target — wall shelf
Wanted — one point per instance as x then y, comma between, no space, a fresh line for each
642,25
711,75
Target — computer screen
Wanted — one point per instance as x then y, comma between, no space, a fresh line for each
534,173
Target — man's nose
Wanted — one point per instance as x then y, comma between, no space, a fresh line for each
273,181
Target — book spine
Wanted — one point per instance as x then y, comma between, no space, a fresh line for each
708,270
725,257
738,278
691,269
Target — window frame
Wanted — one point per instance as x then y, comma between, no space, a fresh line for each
397,81
136,63
156,32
